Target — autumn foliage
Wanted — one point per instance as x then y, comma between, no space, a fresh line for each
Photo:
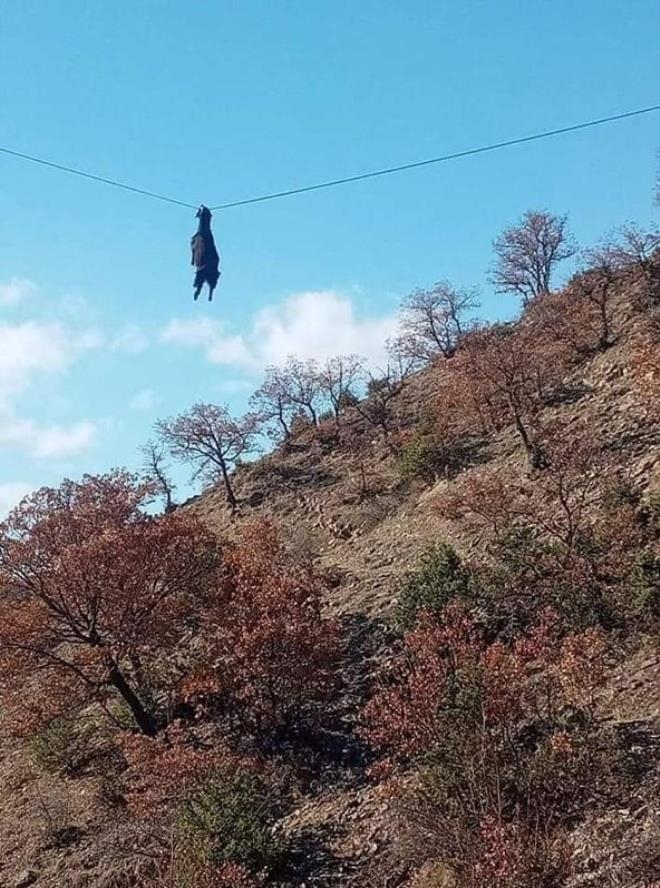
501,378
486,722
448,667
269,652
95,593
209,675
567,536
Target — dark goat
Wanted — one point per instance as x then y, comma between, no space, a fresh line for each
204,254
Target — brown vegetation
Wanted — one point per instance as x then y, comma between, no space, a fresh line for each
286,693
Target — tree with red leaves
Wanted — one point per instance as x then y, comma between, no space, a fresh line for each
406,716
448,677
493,795
94,591
270,653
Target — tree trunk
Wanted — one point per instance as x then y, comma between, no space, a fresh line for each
144,720
282,422
532,450
604,327
231,499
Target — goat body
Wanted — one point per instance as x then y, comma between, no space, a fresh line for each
205,256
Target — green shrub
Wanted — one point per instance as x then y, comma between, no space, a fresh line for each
439,578
641,594
63,745
422,458
76,745
225,819
528,572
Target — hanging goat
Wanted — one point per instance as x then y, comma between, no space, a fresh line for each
204,254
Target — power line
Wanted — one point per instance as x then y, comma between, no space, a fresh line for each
483,149
445,157
95,178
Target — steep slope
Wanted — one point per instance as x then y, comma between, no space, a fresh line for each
365,545
344,824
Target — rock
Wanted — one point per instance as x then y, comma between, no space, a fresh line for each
24,879
256,498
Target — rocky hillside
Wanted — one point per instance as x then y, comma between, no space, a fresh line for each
365,544
350,806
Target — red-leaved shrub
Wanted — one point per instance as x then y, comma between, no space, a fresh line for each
270,653
93,592
515,855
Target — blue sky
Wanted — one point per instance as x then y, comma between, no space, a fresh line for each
217,101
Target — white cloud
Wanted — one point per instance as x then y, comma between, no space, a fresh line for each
29,350
315,324
46,441
144,400
32,348
11,494
131,340
16,290
211,336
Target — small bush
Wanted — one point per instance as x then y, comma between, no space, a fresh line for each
642,592
180,870
528,571
73,746
423,458
225,820
63,745
439,578
515,855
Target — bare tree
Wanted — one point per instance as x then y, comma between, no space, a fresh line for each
155,471
503,375
212,440
339,377
272,402
632,246
432,321
303,385
597,285
528,253
383,388
357,446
